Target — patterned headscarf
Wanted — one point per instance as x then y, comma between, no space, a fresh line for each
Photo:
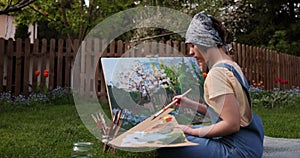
201,32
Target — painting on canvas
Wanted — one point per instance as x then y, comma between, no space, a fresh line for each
143,86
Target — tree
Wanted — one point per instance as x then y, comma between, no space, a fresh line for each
189,7
265,23
69,18
22,31
74,18
8,6
66,17
143,79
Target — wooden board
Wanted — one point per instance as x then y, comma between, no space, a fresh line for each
136,137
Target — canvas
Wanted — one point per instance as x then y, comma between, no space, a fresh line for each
143,86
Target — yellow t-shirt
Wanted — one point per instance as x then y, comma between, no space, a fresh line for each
220,81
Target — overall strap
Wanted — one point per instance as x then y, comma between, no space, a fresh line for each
244,83
256,123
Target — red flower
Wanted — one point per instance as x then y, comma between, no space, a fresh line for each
46,74
281,81
204,74
276,80
259,85
37,73
254,84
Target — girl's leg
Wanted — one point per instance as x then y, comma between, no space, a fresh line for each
207,148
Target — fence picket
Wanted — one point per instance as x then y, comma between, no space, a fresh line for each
259,65
250,66
175,48
239,54
102,84
68,63
264,73
146,51
273,68
44,58
288,59
96,61
256,62
52,55
104,48
284,71
17,75
87,63
154,49
10,56
2,54
59,64
234,51
26,67
112,47
294,70
169,48
81,54
119,48
243,61
183,49
35,64
268,65
246,67
161,48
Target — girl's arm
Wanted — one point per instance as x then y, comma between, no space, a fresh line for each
186,102
229,112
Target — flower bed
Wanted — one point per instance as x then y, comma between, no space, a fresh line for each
275,97
55,96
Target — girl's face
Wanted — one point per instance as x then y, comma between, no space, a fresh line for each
197,53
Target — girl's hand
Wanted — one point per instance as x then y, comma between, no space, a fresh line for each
186,129
181,100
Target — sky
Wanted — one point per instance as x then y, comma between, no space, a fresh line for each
87,2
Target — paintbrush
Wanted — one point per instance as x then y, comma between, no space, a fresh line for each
169,105
119,123
99,123
102,120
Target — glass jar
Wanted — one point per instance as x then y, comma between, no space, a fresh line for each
82,150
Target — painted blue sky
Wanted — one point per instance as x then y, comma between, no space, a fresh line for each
113,66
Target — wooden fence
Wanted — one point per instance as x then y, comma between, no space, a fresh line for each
19,60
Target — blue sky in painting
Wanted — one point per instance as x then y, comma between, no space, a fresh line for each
113,66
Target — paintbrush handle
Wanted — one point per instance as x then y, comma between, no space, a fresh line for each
165,108
169,105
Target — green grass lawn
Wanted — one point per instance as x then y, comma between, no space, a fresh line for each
281,121
50,131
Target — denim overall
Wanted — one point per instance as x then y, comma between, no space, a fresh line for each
246,143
